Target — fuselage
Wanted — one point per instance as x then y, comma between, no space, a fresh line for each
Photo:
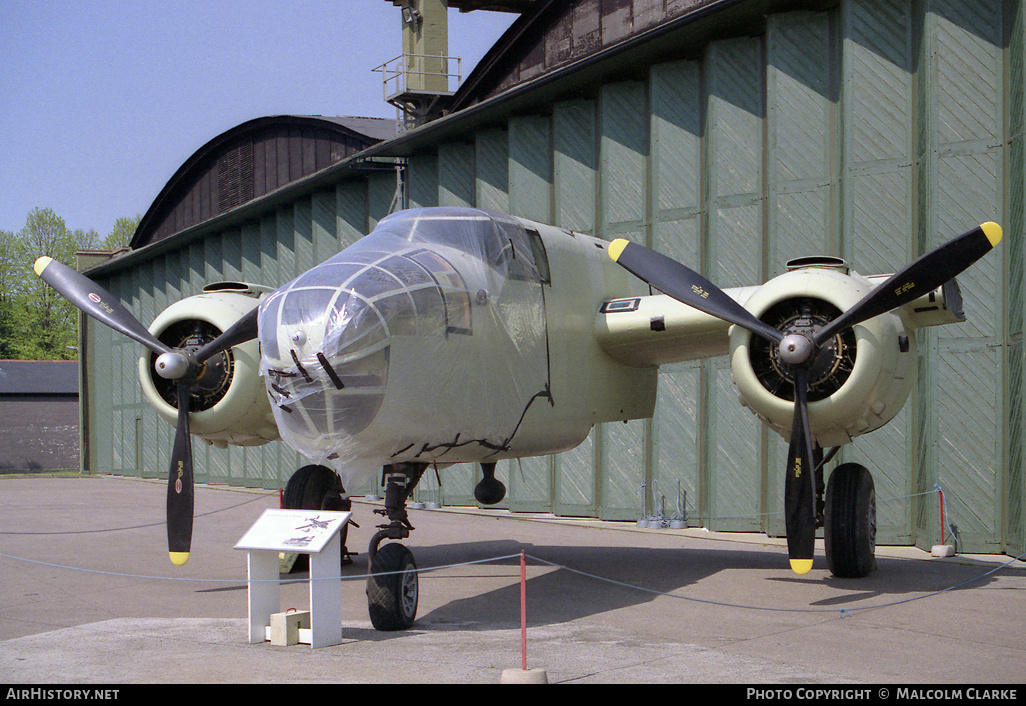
445,336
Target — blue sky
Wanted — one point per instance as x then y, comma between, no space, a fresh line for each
101,101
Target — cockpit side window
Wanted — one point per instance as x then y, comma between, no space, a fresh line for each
528,260
541,257
455,297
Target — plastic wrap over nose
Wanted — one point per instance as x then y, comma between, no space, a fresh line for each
425,337
325,363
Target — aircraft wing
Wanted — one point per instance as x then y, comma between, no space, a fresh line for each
656,329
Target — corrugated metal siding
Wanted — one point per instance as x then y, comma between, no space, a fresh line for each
966,98
876,207
872,131
733,242
677,218
575,165
457,175
1015,177
623,161
491,178
530,168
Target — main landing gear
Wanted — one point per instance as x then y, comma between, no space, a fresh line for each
848,517
849,522
317,488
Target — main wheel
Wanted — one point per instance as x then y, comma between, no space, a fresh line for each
308,488
316,487
392,588
850,522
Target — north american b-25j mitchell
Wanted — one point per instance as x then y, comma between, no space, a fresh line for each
452,335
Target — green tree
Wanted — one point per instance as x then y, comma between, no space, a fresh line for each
121,235
36,323
9,290
47,321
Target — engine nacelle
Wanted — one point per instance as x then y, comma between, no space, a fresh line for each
861,378
230,405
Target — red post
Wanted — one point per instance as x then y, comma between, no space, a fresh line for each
523,612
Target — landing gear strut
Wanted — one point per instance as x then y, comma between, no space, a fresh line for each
392,585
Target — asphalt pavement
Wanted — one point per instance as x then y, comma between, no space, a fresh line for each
88,596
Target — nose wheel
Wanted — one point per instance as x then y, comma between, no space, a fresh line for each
392,588
392,584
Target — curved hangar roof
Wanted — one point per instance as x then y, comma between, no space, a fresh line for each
552,35
251,160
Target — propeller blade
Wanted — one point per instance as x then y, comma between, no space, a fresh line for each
180,492
245,329
799,483
686,286
925,274
95,301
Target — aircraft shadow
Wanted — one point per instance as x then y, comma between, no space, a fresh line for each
567,583
613,578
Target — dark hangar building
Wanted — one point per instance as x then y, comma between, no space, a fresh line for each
732,135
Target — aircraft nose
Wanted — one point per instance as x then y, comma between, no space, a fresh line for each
324,356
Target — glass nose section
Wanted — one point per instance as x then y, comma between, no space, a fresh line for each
325,359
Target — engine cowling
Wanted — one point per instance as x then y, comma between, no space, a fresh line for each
229,404
860,379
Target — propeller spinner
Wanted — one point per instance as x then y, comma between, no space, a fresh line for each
179,365
800,351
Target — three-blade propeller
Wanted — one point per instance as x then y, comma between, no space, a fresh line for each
183,366
799,351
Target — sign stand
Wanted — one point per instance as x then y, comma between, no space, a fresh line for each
312,532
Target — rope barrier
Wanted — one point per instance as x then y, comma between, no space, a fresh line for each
286,582
258,497
844,611
161,523
707,518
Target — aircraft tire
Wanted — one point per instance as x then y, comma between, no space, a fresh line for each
307,487
850,522
315,487
392,588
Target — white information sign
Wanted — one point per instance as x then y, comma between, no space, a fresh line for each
313,532
298,531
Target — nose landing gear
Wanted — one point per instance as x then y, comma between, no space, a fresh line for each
392,586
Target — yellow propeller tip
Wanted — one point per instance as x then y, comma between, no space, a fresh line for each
41,264
179,558
993,232
616,248
801,566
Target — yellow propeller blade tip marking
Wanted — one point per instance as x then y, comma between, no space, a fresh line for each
993,232
801,566
41,264
179,558
616,248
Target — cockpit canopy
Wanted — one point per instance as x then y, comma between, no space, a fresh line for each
325,336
